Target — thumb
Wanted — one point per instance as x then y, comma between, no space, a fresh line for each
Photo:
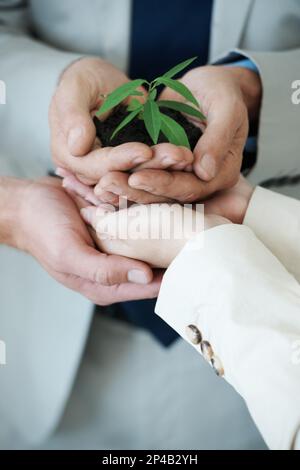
87,263
114,269
81,134
209,151
218,139
72,114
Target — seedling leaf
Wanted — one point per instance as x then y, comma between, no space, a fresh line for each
119,95
178,68
153,94
134,104
152,119
125,121
136,93
182,107
179,88
173,131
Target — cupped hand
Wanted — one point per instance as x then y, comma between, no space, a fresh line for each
52,230
229,96
153,233
74,145
116,174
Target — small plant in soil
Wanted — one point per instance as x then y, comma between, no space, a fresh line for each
153,121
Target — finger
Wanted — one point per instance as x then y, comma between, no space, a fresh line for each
70,112
117,183
110,198
71,183
79,201
119,293
223,124
168,156
178,185
88,263
100,161
62,172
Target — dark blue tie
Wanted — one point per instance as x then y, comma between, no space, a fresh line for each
164,33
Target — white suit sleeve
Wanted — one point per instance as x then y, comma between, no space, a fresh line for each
275,219
245,306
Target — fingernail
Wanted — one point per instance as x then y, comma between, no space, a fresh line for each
67,184
110,197
74,135
138,160
114,189
98,191
168,161
134,182
136,276
92,199
61,172
141,186
207,168
87,214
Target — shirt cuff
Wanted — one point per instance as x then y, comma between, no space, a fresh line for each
246,64
238,60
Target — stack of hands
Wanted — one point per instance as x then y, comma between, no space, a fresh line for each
94,176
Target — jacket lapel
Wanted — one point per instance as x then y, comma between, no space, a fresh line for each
229,19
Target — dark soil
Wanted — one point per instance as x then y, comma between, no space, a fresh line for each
135,131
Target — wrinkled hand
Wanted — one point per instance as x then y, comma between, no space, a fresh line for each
51,230
228,96
73,133
73,136
231,203
144,244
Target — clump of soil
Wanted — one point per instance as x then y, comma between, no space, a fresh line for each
135,131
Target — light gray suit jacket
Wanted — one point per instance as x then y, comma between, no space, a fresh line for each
43,324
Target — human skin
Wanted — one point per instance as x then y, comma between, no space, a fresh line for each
80,92
40,218
229,97
228,206
142,244
231,203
